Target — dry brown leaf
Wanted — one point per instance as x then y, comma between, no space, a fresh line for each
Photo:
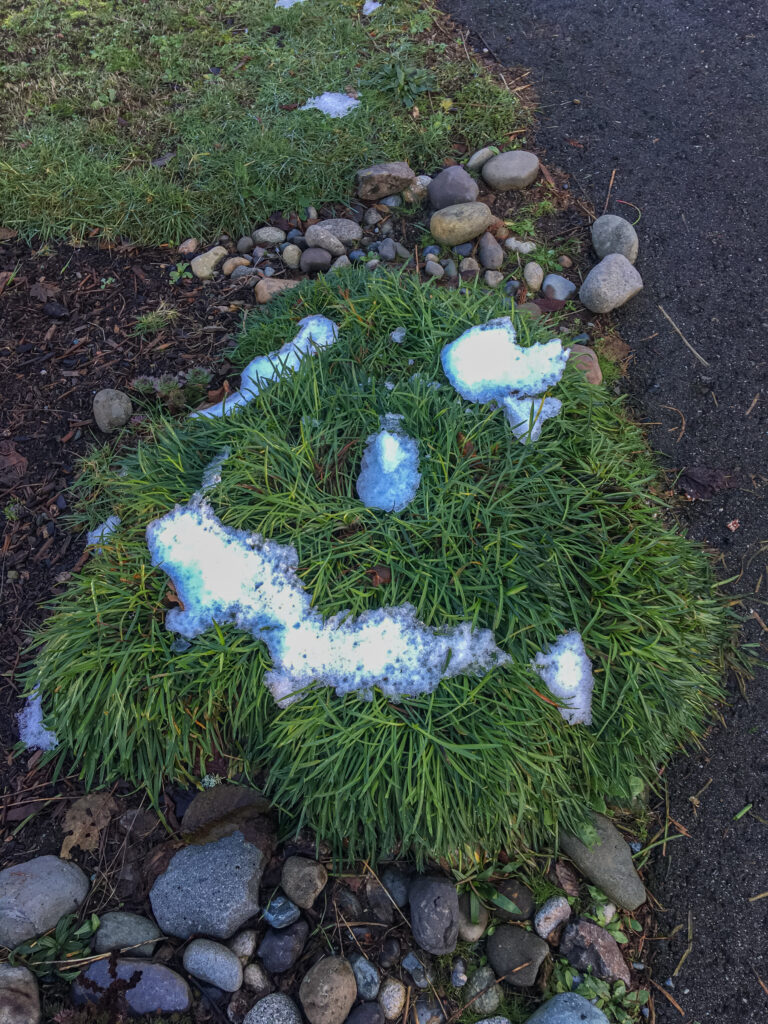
44,290
6,234
85,820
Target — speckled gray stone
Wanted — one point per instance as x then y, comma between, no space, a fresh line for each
434,913
607,864
35,894
509,948
211,962
567,1008
513,170
614,234
19,996
111,409
210,890
610,284
119,929
482,981
274,1009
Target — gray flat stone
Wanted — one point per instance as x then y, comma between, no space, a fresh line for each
480,157
490,252
211,962
612,234
451,186
268,236
607,864
383,179
159,989
555,286
509,948
347,231
119,929
35,894
434,913
482,991
513,170
318,237
610,284
211,889
567,1008
19,996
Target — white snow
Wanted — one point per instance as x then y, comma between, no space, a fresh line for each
288,3
317,332
526,416
224,575
485,364
100,533
212,473
334,104
370,6
567,671
389,470
398,335
32,732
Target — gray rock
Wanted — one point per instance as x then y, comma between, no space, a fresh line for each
383,179
159,989
373,264
587,946
367,977
469,265
513,170
274,1009
390,953
490,252
483,981
451,186
279,950
610,284
291,256
311,213
515,245
111,409
303,880
204,266
357,255
387,249
401,251
567,1008
318,238
243,945
268,236
35,894
533,276
512,287
518,893
493,278
280,912
211,889
434,914
119,929
470,931
432,269
430,250
454,225
465,249
315,260
555,286
607,864
245,244
366,1013
428,1012
256,979
551,915
612,234
392,998
494,1020
347,903
418,970
372,217
459,973
379,901
213,963
391,201
328,991
509,948
340,263
346,230
239,272
451,272
481,157
19,996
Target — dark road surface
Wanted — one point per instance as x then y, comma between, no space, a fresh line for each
674,96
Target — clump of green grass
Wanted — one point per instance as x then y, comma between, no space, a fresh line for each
155,320
162,120
530,541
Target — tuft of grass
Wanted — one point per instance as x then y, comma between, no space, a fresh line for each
155,321
164,119
530,541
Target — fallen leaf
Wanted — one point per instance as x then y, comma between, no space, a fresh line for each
6,234
567,878
13,465
166,158
380,575
44,290
699,483
86,819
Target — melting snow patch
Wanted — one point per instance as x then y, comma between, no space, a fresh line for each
32,732
212,473
370,6
317,332
100,533
288,3
485,364
334,104
389,471
567,671
398,335
226,575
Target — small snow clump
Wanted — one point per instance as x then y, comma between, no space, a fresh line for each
567,671
389,471
100,533
32,732
334,104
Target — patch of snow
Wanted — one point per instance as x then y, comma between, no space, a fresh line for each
212,473
317,332
485,363
32,732
526,416
222,574
100,533
334,104
389,471
398,335
567,671
288,3
370,6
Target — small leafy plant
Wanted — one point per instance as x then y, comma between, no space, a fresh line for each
613,923
176,391
49,954
180,272
618,1004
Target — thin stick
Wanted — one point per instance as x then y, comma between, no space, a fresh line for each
701,359
610,187
666,995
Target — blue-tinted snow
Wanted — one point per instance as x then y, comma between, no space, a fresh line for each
567,671
389,470
211,475
32,732
334,104
100,533
226,575
526,416
316,333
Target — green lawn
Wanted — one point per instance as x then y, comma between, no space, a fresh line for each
162,119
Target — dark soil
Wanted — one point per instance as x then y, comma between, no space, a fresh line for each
659,109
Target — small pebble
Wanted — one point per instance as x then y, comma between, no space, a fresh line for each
431,250
469,265
391,201
465,249
433,269
533,276
280,912
493,278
